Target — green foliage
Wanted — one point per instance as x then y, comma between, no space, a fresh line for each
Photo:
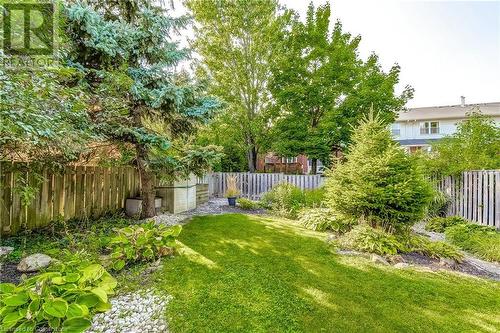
474,146
439,224
483,241
438,204
128,57
284,200
64,300
247,204
322,87
321,219
367,239
234,39
379,182
142,242
314,197
425,246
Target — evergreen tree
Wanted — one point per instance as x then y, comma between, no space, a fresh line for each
125,51
378,182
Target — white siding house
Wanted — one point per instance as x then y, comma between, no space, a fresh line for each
416,128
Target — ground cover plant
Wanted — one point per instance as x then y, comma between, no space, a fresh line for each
248,204
480,240
63,300
439,224
142,242
322,219
273,276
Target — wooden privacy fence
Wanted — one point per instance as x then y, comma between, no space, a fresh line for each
253,185
78,192
475,195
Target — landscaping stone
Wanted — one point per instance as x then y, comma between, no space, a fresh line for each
446,262
401,265
5,250
34,262
395,259
378,259
134,312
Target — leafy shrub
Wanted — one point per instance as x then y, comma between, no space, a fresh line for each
483,241
65,300
143,242
284,199
314,198
379,182
321,219
367,239
247,204
425,246
438,205
439,224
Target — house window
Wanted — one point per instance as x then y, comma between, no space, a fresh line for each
395,130
429,127
289,160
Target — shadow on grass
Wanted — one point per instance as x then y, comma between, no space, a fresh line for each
240,273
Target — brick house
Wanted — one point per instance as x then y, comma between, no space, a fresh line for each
291,165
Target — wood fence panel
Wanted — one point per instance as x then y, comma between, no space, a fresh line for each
77,192
475,195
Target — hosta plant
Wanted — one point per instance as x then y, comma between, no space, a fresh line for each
64,300
321,219
142,242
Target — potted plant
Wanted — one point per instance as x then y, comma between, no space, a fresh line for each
232,191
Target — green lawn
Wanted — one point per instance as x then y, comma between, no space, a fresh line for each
241,273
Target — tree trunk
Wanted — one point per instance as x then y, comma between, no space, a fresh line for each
314,166
147,182
252,159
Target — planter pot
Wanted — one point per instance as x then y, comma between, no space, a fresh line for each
232,201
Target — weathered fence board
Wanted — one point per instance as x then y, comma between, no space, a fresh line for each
253,185
78,192
474,195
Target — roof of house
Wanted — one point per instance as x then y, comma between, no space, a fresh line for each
448,111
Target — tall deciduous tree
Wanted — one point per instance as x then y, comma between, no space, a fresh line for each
474,146
125,51
234,38
321,87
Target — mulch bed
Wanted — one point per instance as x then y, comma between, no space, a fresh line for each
10,274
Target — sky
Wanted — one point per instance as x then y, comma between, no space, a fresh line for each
446,49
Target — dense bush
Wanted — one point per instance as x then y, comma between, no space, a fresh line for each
143,242
314,197
284,199
247,204
439,224
379,182
321,219
64,300
367,239
483,241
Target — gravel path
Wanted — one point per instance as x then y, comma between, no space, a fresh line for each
214,206
492,269
133,313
